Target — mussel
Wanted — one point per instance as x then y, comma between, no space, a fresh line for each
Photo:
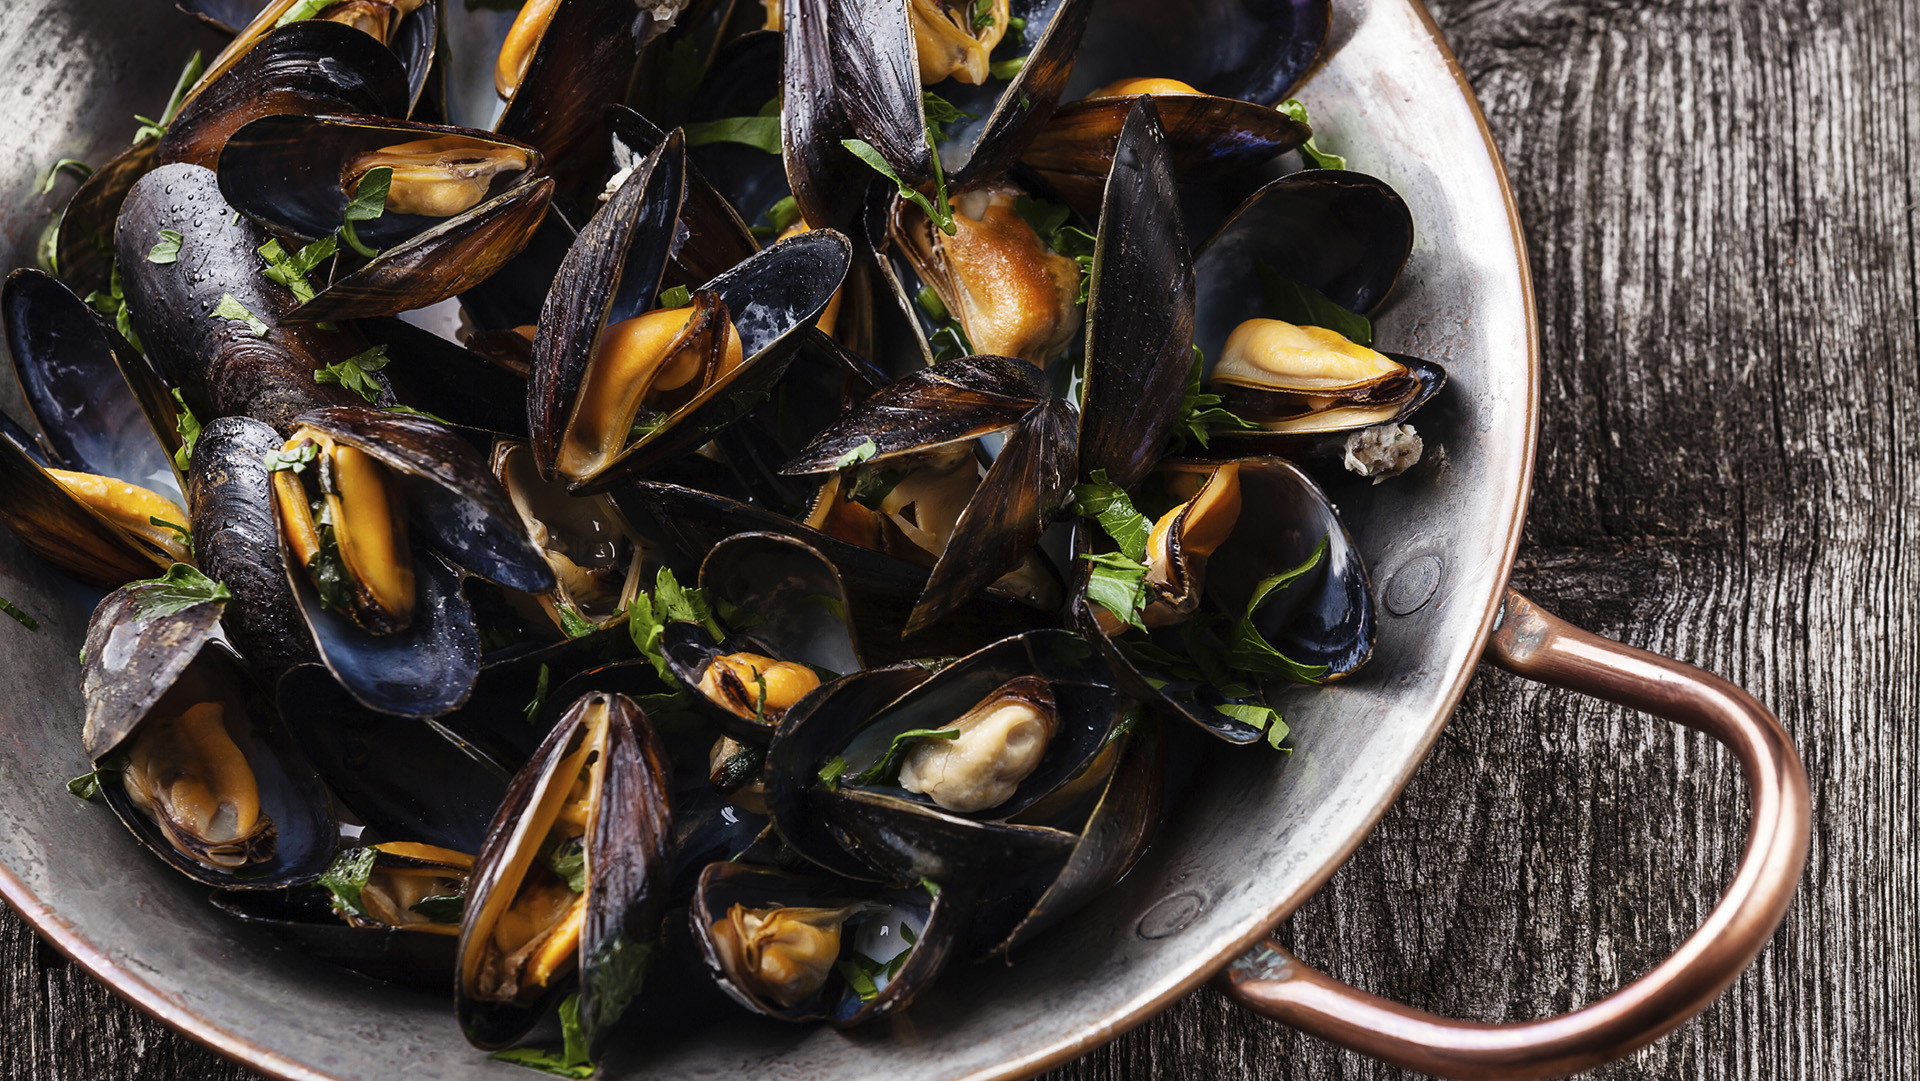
192,755
569,887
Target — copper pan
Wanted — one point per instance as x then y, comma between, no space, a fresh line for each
1246,848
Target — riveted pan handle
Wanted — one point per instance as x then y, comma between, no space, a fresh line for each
1532,643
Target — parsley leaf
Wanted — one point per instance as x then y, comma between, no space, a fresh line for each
678,296
1200,414
1302,305
568,861
831,772
778,217
167,250
445,908
859,976
297,459
1107,503
79,168
303,10
368,203
1264,718
188,425
648,616
179,589
232,309
113,304
867,449
356,373
1006,69
888,766
1119,585
348,876
760,131
571,1061
573,624
539,696
1319,158
87,785
1249,651
935,208
292,270
22,617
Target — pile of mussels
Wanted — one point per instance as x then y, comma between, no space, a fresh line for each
770,587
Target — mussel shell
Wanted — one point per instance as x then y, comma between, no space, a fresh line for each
1012,116
513,296
583,63
810,734
949,402
715,239
495,728
437,263
401,778
779,598
1205,135
628,856
236,541
611,273
423,671
134,655
224,16
59,528
1140,313
453,498
723,885
876,72
1086,710
218,364
1344,234
881,590
1254,50
84,248
1329,447
813,122
285,171
303,920
99,407
311,66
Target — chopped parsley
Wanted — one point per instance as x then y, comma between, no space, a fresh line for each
154,129
888,767
113,304
1316,157
760,131
1049,220
1200,414
79,168
867,449
1302,305
167,251
348,877
297,459
233,310
19,615
940,112
648,616
539,696
179,589
1119,585
935,208
356,373
778,217
188,427
369,202
291,270
678,296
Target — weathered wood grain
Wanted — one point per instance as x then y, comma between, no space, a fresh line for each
1719,197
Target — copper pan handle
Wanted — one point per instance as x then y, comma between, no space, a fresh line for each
1539,646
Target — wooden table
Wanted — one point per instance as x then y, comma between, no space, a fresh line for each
1720,205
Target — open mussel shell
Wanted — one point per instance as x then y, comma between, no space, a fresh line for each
311,66
99,412
1205,135
290,173
778,598
99,407
152,669
457,385
410,42
881,590
808,738
1253,50
627,828
219,364
84,247
745,76
598,558
401,778
1324,428
1140,311
423,671
867,924
236,541
1324,618
303,919
454,500
503,722
440,262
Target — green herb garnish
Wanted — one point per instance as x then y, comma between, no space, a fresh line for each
233,310
369,202
167,250
87,785
297,459
188,427
356,373
936,208
1200,414
539,696
888,767
74,165
760,131
446,908
1287,300
19,615
1249,651
568,861
154,129
1318,158
867,449
1049,220
348,877
678,296
291,270
113,304
1119,585
940,112
179,589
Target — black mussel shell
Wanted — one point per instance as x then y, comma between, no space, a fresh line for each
237,541
286,171
822,381
454,384
440,262
776,597
715,239
1010,117
224,16
84,248
312,66
454,500
813,121
627,857
423,671
508,714
1140,311
60,529
1253,50
303,920
809,736
220,364
882,591
513,296
949,402
100,408
1205,136
931,922
401,778
144,657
